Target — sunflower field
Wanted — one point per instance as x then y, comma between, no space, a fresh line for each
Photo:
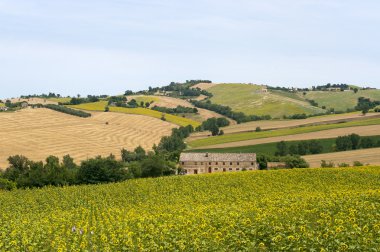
285,210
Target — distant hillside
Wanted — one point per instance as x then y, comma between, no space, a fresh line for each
340,101
252,100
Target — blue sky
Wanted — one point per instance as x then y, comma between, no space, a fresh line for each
106,47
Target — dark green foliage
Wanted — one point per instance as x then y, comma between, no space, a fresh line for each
343,143
67,110
101,170
258,129
366,142
295,162
156,166
78,100
315,147
282,149
365,104
296,116
177,110
355,140
6,184
357,163
128,92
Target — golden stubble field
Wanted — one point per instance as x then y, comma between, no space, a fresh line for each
365,156
38,133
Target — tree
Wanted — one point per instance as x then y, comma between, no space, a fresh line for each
140,153
343,143
365,111
282,149
214,130
366,142
100,170
258,129
156,166
295,162
325,164
356,90
315,147
355,141
106,109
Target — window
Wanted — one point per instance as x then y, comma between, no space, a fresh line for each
251,163
230,169
237,163
209,163
215,169
230,163
224,163
238,169
216,163
183,163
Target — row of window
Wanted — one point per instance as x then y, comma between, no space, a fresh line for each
216,163
217,169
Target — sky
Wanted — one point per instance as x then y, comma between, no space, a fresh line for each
106,47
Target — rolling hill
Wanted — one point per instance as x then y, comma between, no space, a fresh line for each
340,101
250,100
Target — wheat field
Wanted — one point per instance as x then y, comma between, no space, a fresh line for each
365,156
37,133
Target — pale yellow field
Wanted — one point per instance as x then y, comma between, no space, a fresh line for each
37,133
34,101
279,124
370,130
365,156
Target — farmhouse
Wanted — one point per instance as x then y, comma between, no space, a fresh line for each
3,108
198,163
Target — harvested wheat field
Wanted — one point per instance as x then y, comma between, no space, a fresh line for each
38,133
370,130
171,102
365,156
204,86
280,124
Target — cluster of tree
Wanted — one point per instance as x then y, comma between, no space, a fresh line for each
213,125
80,100
177,110
50,95
365,104
296,116
342,87
195,92
300,148
12,105
290,161
239,117
354,142
67,110
178,89
312,103
117,101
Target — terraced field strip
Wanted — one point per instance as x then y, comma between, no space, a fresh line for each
38,133
365,156
34,100
370,130
270,148
279,124
240,139
99,106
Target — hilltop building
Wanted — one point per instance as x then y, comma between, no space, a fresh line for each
3,108
200,163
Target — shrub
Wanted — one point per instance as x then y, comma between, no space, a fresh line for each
357,163
66,110
6,184
325,164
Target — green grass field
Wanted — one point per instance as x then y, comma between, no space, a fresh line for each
249,100
2,104
62,99
99,106
284,210
228,138
341,101
271,148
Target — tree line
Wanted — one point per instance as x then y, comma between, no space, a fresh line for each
178,110
239,117
67,110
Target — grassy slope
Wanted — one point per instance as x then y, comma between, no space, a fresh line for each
341,101
281,132
284,210
2,104
271,148
248,99
99,106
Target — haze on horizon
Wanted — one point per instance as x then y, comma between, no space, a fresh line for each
105,47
